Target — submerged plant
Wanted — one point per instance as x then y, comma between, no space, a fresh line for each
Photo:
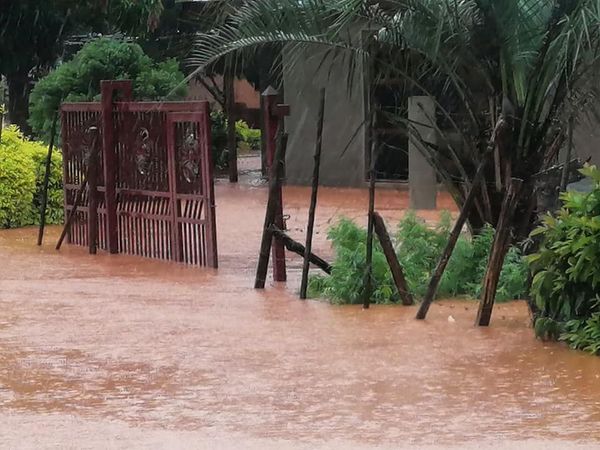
419,248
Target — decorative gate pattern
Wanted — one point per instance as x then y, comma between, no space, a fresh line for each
151,186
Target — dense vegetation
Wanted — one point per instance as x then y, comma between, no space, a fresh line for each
419,248
22,167
247,139
566,269
102,59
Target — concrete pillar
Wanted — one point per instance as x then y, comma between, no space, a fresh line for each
422,180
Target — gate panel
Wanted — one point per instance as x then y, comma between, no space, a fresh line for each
191,187
157,160
81,134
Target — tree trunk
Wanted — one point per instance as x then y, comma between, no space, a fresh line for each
502,240
18,100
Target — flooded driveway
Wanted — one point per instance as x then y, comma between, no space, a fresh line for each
120,352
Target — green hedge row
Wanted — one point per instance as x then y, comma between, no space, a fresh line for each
22,167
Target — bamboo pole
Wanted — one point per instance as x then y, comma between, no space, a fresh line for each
272,208
313,198
392,260
44,204
454,235
500,246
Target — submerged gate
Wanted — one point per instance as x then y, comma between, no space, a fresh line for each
148,171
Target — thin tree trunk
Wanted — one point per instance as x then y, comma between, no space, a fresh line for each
271,212
454,235
502,239
18,100
313,198
392,260
229,83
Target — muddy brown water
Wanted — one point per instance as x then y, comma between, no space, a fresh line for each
121,352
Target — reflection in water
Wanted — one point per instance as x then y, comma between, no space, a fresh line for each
98,346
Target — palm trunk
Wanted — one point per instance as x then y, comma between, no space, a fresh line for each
18,100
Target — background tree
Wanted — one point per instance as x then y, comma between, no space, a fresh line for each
32,34
103,59
505,74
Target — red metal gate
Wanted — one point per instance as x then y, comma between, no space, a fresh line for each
149,172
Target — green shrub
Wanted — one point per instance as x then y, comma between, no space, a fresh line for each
102,59
219,139
22,168
418,248
247,137
566,269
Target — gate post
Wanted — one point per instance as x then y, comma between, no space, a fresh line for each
92,177
109,155
273,114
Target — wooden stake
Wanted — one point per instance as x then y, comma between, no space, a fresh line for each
313,198
299,249
368,282
46,180
452,239
392,260
500,247
271,212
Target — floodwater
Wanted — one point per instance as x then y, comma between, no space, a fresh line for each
121,352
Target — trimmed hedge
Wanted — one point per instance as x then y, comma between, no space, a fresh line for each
22,167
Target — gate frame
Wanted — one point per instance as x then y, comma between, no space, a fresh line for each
179,111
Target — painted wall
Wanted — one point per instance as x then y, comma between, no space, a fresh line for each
343,156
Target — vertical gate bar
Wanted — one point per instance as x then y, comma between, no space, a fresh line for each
108,89
67,155
209,188
176,247
109,157
272,123
92,175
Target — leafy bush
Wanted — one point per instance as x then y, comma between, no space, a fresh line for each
566,269
22,168
418,248
247,137
102,59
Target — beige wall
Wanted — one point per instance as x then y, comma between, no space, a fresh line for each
244,92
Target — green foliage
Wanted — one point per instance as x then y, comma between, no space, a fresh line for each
248,138
566,269
583,334
219,139
419,248
22,168
102,59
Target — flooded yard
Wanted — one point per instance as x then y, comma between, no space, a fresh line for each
121,352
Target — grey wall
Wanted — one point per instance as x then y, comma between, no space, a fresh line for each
304,76
586,139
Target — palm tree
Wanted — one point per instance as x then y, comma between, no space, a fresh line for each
520,63
506,75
